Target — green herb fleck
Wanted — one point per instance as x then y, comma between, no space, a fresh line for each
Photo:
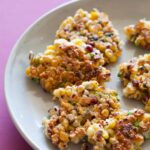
84,139
147,136
137,124
48,117
141,68
62,84
37,80
145,85
132,39
118,99
72,103
91,55
130,113
109,34
120,75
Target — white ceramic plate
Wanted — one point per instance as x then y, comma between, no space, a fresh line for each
27,102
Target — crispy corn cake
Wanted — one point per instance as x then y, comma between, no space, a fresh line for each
126,130
90,113
139,33
66,63
135,76
95,29
79,105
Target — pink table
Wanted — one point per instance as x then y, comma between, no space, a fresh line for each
15,17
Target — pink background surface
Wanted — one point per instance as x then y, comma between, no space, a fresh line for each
15,17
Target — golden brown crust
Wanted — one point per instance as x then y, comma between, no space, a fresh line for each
139,33
135,76
80,119
124,131
79,106
65,63
93,28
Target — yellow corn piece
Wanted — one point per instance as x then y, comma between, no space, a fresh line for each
94,15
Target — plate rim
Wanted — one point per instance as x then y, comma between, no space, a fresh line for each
7,68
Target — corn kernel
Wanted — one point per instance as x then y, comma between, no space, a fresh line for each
100,46
93,129
100,33
113,140
143,43
90,86
105,134
94,15
65,123
68,92
56,93
148,103
139,139
70,128
111,132
55,138
96,127
56,130
111,123
147,108
113,59
105,113
48,52
64,136
78,42
67,106
82,12
109,53
90,131
46,59
28,71
51,47
47,85
129,31
80,88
